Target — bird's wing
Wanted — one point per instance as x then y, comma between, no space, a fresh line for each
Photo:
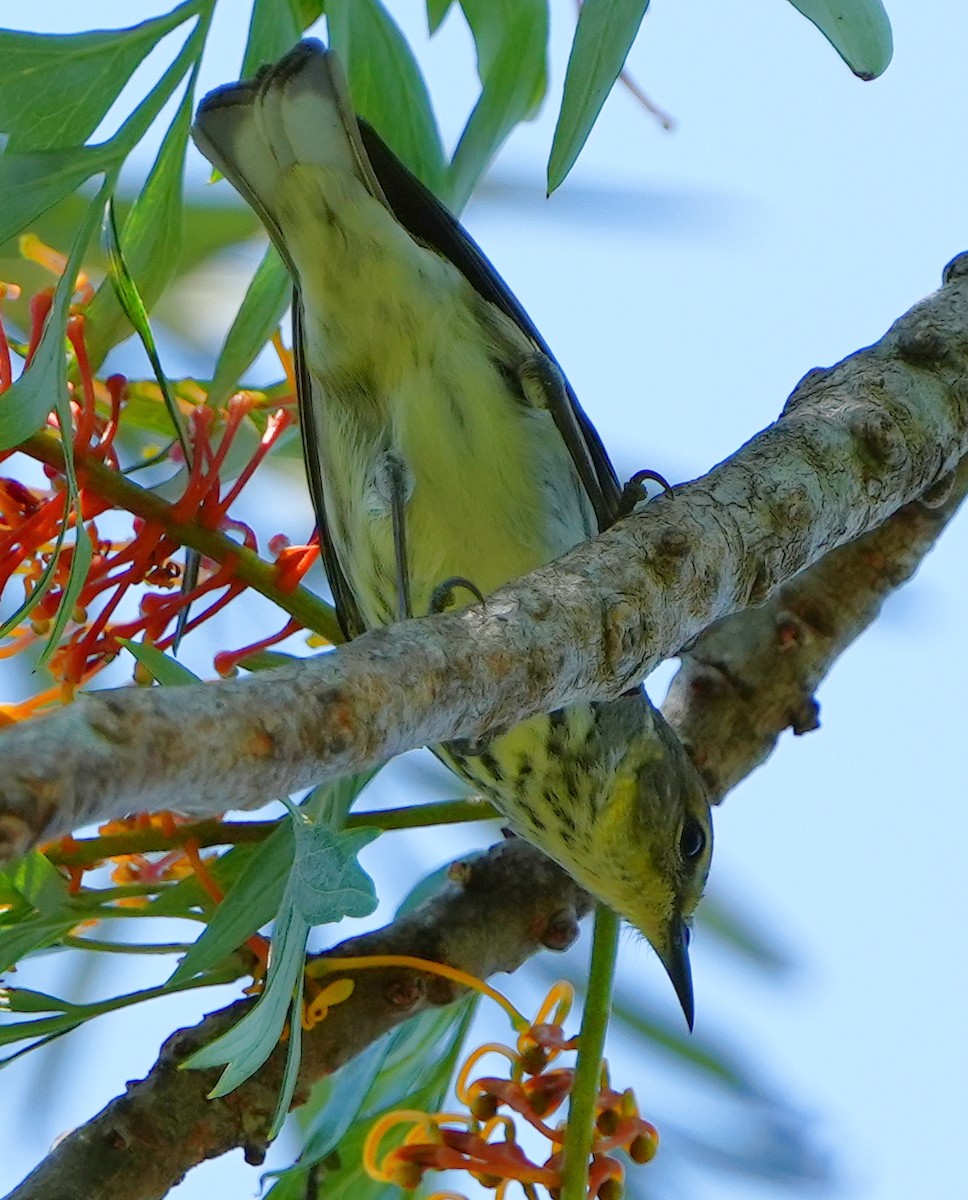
252,131
427,221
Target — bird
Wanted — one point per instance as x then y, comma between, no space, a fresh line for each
446,455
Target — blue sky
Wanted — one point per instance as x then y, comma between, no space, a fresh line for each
686,281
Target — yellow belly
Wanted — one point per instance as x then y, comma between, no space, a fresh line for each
407,359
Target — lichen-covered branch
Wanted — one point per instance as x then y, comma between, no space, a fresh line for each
753,675
495,912
854,444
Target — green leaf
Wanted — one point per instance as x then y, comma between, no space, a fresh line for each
436,11
82,553
150,242
258,318
39,590
386,86
38,881
713,1061
605,33
248,1044
250,903
56,89
162,667
511,37
411,1068
327,881
32,183
136,312
290,1075
71,1015
346,1095
859,30
25,405
23,410
257,891
137,124
329,803
273,29
24,1000
306,12
32,934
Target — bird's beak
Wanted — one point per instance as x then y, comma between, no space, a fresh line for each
675,959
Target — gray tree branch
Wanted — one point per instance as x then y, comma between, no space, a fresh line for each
742,681
853,445
493,913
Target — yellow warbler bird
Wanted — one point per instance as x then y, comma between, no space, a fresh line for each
445,449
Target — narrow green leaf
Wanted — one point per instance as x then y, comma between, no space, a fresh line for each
701,1054
511,37
330,803
260,312
82,554
76,1014
645,1022
251,902
412,1068
32,183
137,124
273,29
723,917
25,1000
346,1095
39,590
40,883
162,667
248,1044
290,1075
56,88
307,12
23,410
605,33
436,11
327,881
386,85
33,934
136,312
25,405
859,30
150,242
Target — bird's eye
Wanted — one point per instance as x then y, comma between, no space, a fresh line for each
692,840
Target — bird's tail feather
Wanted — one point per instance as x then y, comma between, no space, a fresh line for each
297,112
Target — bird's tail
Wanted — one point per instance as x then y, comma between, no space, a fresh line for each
295,112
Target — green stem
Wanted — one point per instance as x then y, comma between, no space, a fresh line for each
416,816
86,852
591,1043
263,577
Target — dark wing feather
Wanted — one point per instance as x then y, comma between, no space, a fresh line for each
427,221
347,612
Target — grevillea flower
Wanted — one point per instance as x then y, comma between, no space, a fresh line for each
38,524
483,1139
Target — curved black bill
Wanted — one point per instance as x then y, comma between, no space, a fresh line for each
676,962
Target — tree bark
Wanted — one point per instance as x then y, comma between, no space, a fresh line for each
854,444
849,480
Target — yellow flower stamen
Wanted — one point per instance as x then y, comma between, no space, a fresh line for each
461,1088
322,966
317,1009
